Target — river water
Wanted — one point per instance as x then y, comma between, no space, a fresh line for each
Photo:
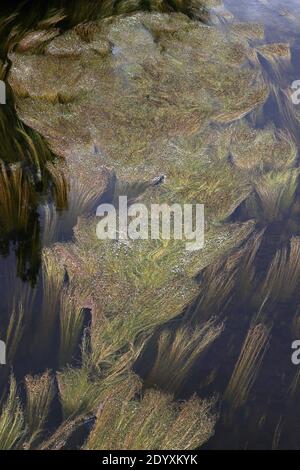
268,417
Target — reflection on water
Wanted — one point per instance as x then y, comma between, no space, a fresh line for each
30,178
26,177
26,181
41,320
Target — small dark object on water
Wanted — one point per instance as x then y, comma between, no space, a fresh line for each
158,180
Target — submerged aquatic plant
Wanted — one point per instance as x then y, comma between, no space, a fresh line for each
15,195
15,332
177,353
79,393
72,201
151,421
217,288
12,429
52,282
71,319
247,271
78,10
66,13
82,389
283,276
248,365
29,175
39,396
21,428
25,179
273,196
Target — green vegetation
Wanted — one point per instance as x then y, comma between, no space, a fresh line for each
109,349
188,126
273,196
177,354
247,366
39,395
11,420
152,421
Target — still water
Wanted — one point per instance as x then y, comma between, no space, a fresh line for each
268,417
